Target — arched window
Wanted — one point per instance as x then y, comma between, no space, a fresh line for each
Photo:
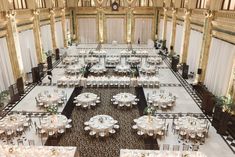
86,3
228,5
41,3
144,3
201,4
19,4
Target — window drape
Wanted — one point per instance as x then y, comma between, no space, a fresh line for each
143,30
115,30
178,39
6,74
168,34
28,50
160,31
46,38
59,35
219,67
87,30
194,49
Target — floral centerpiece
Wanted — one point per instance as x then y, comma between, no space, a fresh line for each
226,103
150,111
4,96
52,109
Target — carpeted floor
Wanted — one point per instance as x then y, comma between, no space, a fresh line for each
110,146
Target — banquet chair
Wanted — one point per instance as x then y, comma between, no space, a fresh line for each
195,147
185,147
31,142
20,142
102,134
92,133
116,126
165,147
140,133
201,137
61,131
176,147
51,133
112,131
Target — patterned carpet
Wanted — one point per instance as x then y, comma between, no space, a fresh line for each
110,146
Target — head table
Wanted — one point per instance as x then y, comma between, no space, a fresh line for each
37,151
157,153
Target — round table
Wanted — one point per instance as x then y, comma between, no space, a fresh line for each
159,99
92,60
13,122
49,98
74,68
101,123
149,124
154,60
133,60
148,69
112,60
191,124
123,68
69,60
98,69
86,99
54,122
124,98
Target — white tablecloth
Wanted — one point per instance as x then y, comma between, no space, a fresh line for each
154,60
191,124
148,81
112,60
101,123
148,69
69,60
124,98
133,60
149,124
37,151
102,80
54,122
161,99
157,153
49,98
86,99
13,122
98,69
74,68
92,60
123,68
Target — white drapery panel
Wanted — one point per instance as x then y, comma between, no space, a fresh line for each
115,30
194,49
160,31
219,67
6,74
59,35
46,38
178,39
143,29
87,30
168,34
28,50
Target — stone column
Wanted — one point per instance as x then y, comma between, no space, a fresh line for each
52,21
101,25
64,31
37,36
129,25
13,45
204,54
173,31
185,39
164,25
